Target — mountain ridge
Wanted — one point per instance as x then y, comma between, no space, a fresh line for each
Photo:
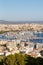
20,22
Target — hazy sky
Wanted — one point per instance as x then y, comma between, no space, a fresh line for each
21,10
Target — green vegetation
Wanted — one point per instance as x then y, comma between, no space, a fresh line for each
41,29
1,32
21,59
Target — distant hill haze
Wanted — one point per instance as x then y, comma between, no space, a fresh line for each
19,22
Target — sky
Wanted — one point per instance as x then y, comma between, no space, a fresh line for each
21,10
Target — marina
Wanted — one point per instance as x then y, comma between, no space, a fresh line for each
29,36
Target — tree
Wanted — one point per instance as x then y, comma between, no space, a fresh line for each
17,59
30,60
39,61
20,59
9,60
